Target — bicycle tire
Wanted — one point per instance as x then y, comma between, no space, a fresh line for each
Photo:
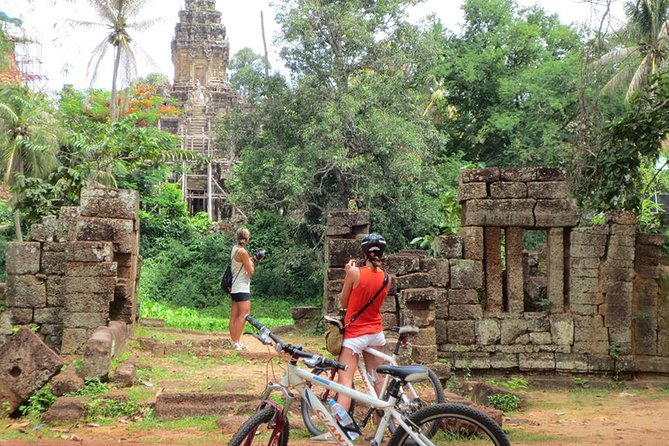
459,424
252,431
311,420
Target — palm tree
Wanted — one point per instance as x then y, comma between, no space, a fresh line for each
648,32
117,16
28,139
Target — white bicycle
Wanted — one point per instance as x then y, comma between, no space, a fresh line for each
457,424
414,396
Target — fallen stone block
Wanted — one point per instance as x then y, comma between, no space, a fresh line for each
125,375
180,405
98,354
67,409
26,364
67,381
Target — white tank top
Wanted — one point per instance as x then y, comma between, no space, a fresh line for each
241,281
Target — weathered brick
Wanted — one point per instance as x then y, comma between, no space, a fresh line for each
470,191
109,203
463,297
488,174
620,218
461,332
472,239
514,331
449,247
488,331
505,189
26,291
556,213
550,174
536,361
466,274
547,189
503,213
418,295
437,270
400,264
89,251
415,280
84,320
461,312
22,258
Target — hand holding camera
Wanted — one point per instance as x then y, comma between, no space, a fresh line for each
259,255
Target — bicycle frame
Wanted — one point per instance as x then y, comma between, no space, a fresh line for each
297,377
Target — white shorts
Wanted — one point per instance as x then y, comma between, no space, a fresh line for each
362,342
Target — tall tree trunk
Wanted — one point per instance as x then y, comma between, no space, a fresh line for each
17,224
264,44
112,106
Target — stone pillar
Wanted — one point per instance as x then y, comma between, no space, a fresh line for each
556,269
493,269
617,275
343,233
646,293
514,270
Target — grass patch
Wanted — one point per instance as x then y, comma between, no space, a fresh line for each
200,424
270,312
520,436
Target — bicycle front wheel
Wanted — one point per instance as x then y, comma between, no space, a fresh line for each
457,425
265,427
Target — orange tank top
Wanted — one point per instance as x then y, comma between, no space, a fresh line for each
369,322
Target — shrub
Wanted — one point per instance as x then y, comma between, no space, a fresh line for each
39,402
506,402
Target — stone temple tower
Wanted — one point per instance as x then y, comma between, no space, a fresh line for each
200,53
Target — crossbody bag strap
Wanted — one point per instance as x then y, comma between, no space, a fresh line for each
386,278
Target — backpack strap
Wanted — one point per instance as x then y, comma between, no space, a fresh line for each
232,257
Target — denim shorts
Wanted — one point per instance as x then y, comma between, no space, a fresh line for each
240,297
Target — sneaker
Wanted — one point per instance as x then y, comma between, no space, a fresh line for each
325,436
239,346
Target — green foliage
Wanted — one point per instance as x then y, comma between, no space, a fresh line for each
39,402
514,384
509,81
186,273
110,408
271,312
349,128
612,174
506,402
614,351
94,387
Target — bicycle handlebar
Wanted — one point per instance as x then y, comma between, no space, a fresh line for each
294,351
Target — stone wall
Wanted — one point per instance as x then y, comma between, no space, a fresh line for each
600,306
77,271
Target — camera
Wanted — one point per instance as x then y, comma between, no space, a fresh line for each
259,255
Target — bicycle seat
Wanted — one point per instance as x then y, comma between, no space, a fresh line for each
405,329
405,373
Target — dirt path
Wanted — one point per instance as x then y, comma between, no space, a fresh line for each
625,416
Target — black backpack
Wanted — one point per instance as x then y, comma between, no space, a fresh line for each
227,280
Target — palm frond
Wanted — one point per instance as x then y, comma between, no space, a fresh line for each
640,77
619,79
617,55
98,56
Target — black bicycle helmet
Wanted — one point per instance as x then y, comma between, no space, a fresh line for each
373,245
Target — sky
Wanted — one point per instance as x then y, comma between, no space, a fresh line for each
64,51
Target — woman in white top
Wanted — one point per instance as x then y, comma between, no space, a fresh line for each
242,267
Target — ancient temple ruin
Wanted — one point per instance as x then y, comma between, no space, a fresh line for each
587,298
77,272
200,53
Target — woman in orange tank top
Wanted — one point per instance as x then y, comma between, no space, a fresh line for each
360,285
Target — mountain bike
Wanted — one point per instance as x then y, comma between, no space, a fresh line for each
269,425
415,396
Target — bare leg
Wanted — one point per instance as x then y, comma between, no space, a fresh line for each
345,377
371,363
237,321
